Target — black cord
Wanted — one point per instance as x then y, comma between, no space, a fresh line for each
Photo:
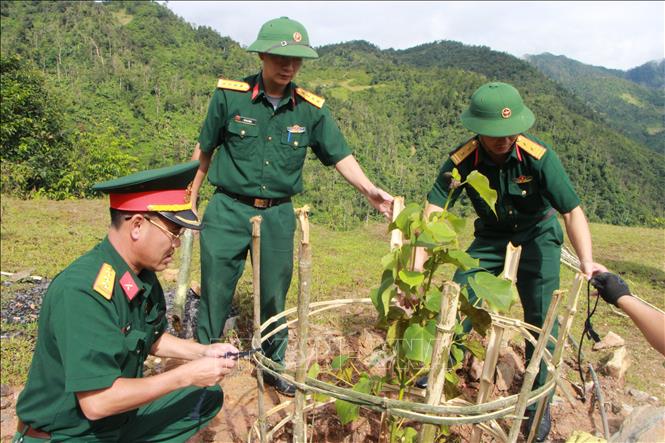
589,332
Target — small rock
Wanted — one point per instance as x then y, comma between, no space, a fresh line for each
505,373
639,395
618,363
626,410
5,390
611,340
645,423
5,402
653,399
476,369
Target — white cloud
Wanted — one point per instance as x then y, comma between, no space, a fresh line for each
612,34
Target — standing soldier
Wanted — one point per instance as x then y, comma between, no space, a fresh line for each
263,126
104,314
531,187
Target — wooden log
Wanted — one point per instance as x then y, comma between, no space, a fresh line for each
256,277
305,278
534,366
442,343
177,320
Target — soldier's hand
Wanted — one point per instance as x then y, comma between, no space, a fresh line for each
610,286
381,201
209,371
219,349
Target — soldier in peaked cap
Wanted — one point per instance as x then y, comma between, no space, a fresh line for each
262,128
532,187
104,314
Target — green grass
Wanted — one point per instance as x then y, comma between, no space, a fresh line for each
46,236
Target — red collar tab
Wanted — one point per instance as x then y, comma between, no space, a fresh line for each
518,152
129,287
475,160
255,91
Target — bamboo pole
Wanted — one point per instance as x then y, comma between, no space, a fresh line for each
396,236
305,278
442,344
534,366
511,262
178,318
256,275
557,356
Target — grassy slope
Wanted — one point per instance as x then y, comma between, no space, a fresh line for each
45,236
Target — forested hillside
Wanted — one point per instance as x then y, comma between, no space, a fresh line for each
93,90
624,99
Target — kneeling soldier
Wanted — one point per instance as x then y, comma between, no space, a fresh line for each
105,313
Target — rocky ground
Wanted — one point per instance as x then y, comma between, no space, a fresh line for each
623,404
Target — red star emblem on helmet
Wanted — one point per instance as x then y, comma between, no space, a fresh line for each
506,113
297,37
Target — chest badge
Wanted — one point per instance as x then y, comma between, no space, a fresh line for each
295,129
523,179
245,120
129,287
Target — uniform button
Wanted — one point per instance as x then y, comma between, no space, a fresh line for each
295,143
267,162
263,187
523,192
510,212
515,227
242,132
156,332
269,138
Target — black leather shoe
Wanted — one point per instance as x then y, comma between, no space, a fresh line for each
543,428
282,386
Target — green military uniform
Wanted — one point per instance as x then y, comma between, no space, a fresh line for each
98,322
259,161
531,187
261,148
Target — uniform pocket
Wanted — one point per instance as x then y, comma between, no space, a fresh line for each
135,346
294,143
241,139
525,196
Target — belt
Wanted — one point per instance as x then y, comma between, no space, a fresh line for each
256,202
29,431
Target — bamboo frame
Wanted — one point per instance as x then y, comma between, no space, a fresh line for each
256,277
305,278
396,236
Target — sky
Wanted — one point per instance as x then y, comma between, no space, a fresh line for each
619,35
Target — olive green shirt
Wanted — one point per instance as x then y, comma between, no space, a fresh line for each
262,150
527,189
87,341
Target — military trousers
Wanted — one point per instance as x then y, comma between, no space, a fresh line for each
225,243
537,275
173,418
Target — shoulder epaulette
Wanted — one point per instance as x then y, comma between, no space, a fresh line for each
459,154
311,98
233,85
105,281
532,148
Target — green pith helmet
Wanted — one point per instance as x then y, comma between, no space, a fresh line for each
283,36
497,110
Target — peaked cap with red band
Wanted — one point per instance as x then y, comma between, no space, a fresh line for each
164,190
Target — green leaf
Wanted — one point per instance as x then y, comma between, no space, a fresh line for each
442,232
460,258
391,335
348,412
338,362
433,300
482,186
411,278
389,260
497,292
457,353
480,319
403,220
410,435
314,370
456,175
476,348
458,223
418,342
381,297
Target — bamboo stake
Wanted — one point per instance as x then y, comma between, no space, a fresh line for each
487,376
511,262
256,275
442,344
557,356
305,278
534,366
396,236
177,320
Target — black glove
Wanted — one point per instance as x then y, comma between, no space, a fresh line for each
610,286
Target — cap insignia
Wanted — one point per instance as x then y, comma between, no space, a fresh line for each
297,37
105,281
506,113
129,286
